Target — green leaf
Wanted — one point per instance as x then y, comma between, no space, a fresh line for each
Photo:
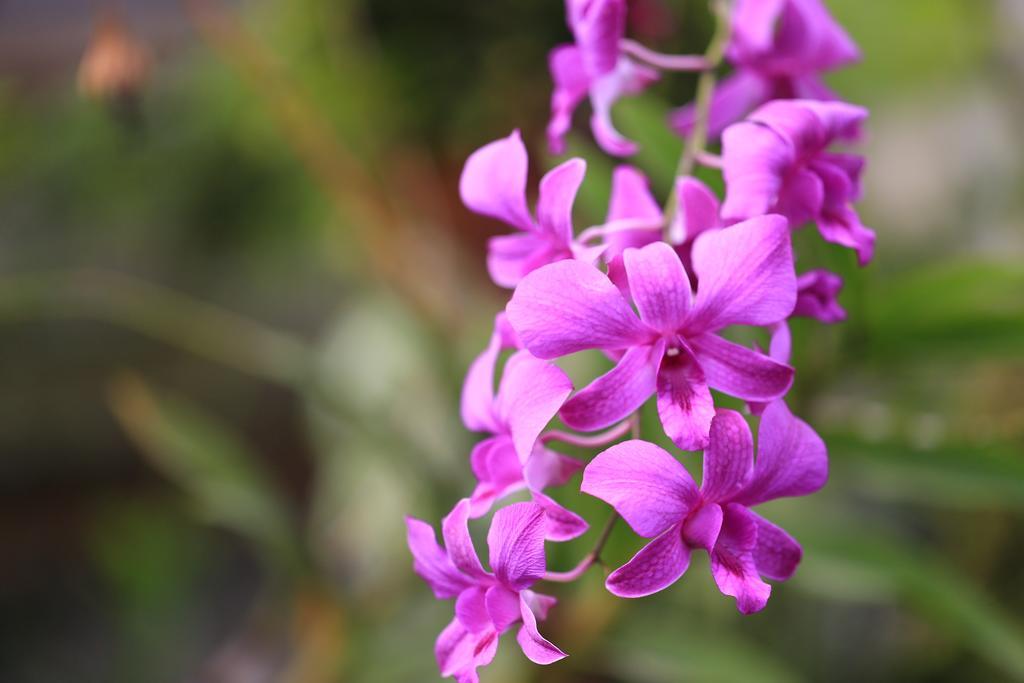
935,592
973,307
223,480
946,475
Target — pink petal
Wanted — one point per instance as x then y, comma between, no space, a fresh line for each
493,181
562,524
753,26
839,120
657,566
646,485
842,226
616,394
598,26
571,306
791,458
777,554
732,561
628,78
502,607
471,609
516,542
431,562
733,99
497,468
660,287
802,197
796,123
755,162
631,199
536,648
817,297
702,527
546,467
739,371
826,44
745,275
510,258
538,603
558,190
459,652
478,389
631,196
698,210
530,395
729,457
458,543
685,405
571,85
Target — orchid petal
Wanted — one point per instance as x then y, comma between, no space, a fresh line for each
530,395
502,607
739,371
698,210
562,524
546,467
459,652
432,563
755,159
657,566
516,542
558,190
536,648
647,486
729,457
791,458
510,258
471,609
571,306
571,85
616,394
733,99
745,275
702,527
493,181
732,561
817,297
685,405
458,543
777,553
660,286
478,390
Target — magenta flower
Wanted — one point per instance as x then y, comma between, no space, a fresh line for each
512,458
777,161
493,183
487,604
745,275
635,219
779,49
817,296
659,500
594,65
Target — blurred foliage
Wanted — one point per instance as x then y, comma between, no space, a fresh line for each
297,163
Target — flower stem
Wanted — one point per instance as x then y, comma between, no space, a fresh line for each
663,61
693,147
590,559
592,440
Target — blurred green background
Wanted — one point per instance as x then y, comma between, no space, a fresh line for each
238,293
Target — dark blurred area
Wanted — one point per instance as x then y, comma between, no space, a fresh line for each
238,293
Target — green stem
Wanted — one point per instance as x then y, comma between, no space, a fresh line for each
695,143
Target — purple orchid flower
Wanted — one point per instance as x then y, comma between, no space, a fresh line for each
635,219
594,65
817,296
513,458
493,183
777,161
657,497
779,49
487,604
745,275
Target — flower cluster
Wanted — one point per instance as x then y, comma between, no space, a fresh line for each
657,290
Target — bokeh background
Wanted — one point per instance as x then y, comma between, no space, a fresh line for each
238,293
